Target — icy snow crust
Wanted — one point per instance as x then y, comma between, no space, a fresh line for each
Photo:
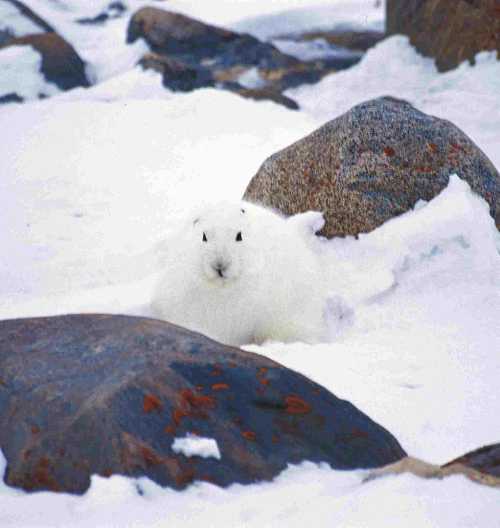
93,181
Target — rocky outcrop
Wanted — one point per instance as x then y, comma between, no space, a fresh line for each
371,164
103,394
214,56
451,32
61,64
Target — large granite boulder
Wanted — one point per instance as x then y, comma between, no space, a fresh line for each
370,164
103,394
451,32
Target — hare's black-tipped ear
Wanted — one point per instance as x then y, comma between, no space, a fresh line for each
243,211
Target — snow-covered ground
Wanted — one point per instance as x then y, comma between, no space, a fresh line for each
93,180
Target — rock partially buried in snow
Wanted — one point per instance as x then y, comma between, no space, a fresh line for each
61,65
451,32
102,394
370,164
217,56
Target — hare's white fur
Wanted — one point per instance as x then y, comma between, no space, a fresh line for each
240,274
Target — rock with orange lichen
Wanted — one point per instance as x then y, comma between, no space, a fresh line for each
107,394
370,164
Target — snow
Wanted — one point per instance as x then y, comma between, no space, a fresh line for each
313,49
192,445
20,73
93,180
15,23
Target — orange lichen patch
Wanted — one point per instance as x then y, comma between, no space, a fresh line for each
249,435
262,371
264,381
296,405
35,429
178,415
425,169
169,429
432,147
151,403
193,405
149,456
220,386
198,402
389,151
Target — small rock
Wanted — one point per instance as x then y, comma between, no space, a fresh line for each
370,164
108,394
60,62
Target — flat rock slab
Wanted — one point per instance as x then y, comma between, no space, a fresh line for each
106,394
371,164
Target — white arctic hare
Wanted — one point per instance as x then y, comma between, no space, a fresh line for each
241,274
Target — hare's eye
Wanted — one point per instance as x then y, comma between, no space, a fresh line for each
204,237
238,237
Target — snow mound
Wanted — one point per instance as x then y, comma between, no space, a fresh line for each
192,445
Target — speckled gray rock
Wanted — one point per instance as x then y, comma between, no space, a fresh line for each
108,394
370,164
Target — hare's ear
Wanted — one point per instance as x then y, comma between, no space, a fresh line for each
307,223
242,210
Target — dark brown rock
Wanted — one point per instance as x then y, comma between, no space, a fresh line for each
176,34
60,62
103,394
485,460
370,164
451,32
205,55
177,75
